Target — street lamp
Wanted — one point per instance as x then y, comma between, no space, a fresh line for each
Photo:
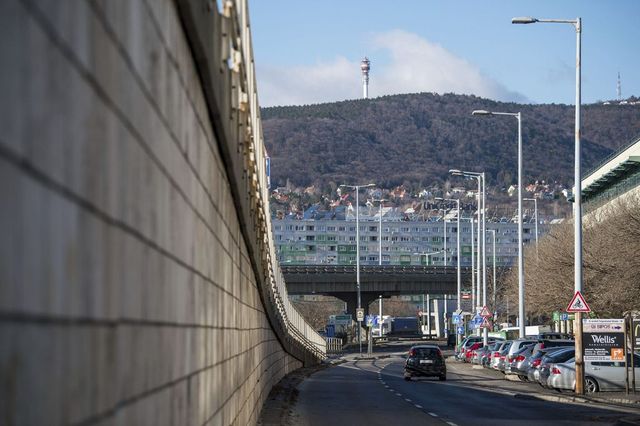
577,193
482,274
520,254
357,189
535,214
459,289
493,231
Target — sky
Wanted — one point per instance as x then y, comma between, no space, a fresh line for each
309,51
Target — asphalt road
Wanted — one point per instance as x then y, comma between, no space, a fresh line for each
373,392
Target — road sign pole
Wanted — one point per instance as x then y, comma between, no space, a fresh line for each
579,360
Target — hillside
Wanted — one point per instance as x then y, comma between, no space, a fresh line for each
415,139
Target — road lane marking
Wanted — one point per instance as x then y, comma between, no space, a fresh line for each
407,399
398,394
418,406
433,414
452,424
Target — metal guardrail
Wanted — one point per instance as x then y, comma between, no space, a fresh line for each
223,53
334,345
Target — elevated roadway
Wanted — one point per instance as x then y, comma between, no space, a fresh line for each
386,280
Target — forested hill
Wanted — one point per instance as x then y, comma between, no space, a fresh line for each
415,139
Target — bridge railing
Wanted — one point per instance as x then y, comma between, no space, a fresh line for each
222,49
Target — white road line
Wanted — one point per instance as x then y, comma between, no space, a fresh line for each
387,387
419,406
433,414
452,424
407,399
398,394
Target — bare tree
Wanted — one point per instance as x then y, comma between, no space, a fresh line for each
611,263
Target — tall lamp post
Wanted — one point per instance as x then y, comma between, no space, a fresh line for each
482,275
357,189
517,115
577,192
535,214
459,289
493,231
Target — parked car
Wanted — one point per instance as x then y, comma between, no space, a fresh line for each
470,351
498,355
466,342
532,363
478,354
518,344
598,375
562,355
492,348
502,357
425,360
550,343
517,364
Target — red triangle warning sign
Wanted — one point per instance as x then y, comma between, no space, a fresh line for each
485,312
578,304
485,323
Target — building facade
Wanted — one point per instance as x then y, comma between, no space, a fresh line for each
401,242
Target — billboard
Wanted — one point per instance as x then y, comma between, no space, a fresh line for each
603,339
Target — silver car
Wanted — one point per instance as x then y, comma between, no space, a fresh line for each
497,357
598,375
556,357
532,363
518,364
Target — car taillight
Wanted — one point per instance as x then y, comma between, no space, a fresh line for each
520,358
496,354
555,370
536,362
412,352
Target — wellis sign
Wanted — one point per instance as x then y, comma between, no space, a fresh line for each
603,339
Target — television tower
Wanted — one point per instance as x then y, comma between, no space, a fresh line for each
364,66
619,88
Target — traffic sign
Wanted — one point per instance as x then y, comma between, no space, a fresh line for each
370,320
455,318
460,330
485,312
485,323
477,320
578,304
360,314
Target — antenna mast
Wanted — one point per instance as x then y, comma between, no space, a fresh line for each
364,67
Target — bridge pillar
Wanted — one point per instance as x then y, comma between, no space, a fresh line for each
352,301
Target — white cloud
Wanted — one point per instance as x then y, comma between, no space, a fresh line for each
415,65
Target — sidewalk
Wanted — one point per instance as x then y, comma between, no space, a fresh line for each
496,381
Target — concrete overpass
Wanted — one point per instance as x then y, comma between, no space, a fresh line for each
138,280
385,280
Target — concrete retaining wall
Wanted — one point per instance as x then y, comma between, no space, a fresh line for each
128,294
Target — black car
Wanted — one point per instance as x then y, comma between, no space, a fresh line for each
425,360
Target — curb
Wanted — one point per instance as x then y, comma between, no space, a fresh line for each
628,403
